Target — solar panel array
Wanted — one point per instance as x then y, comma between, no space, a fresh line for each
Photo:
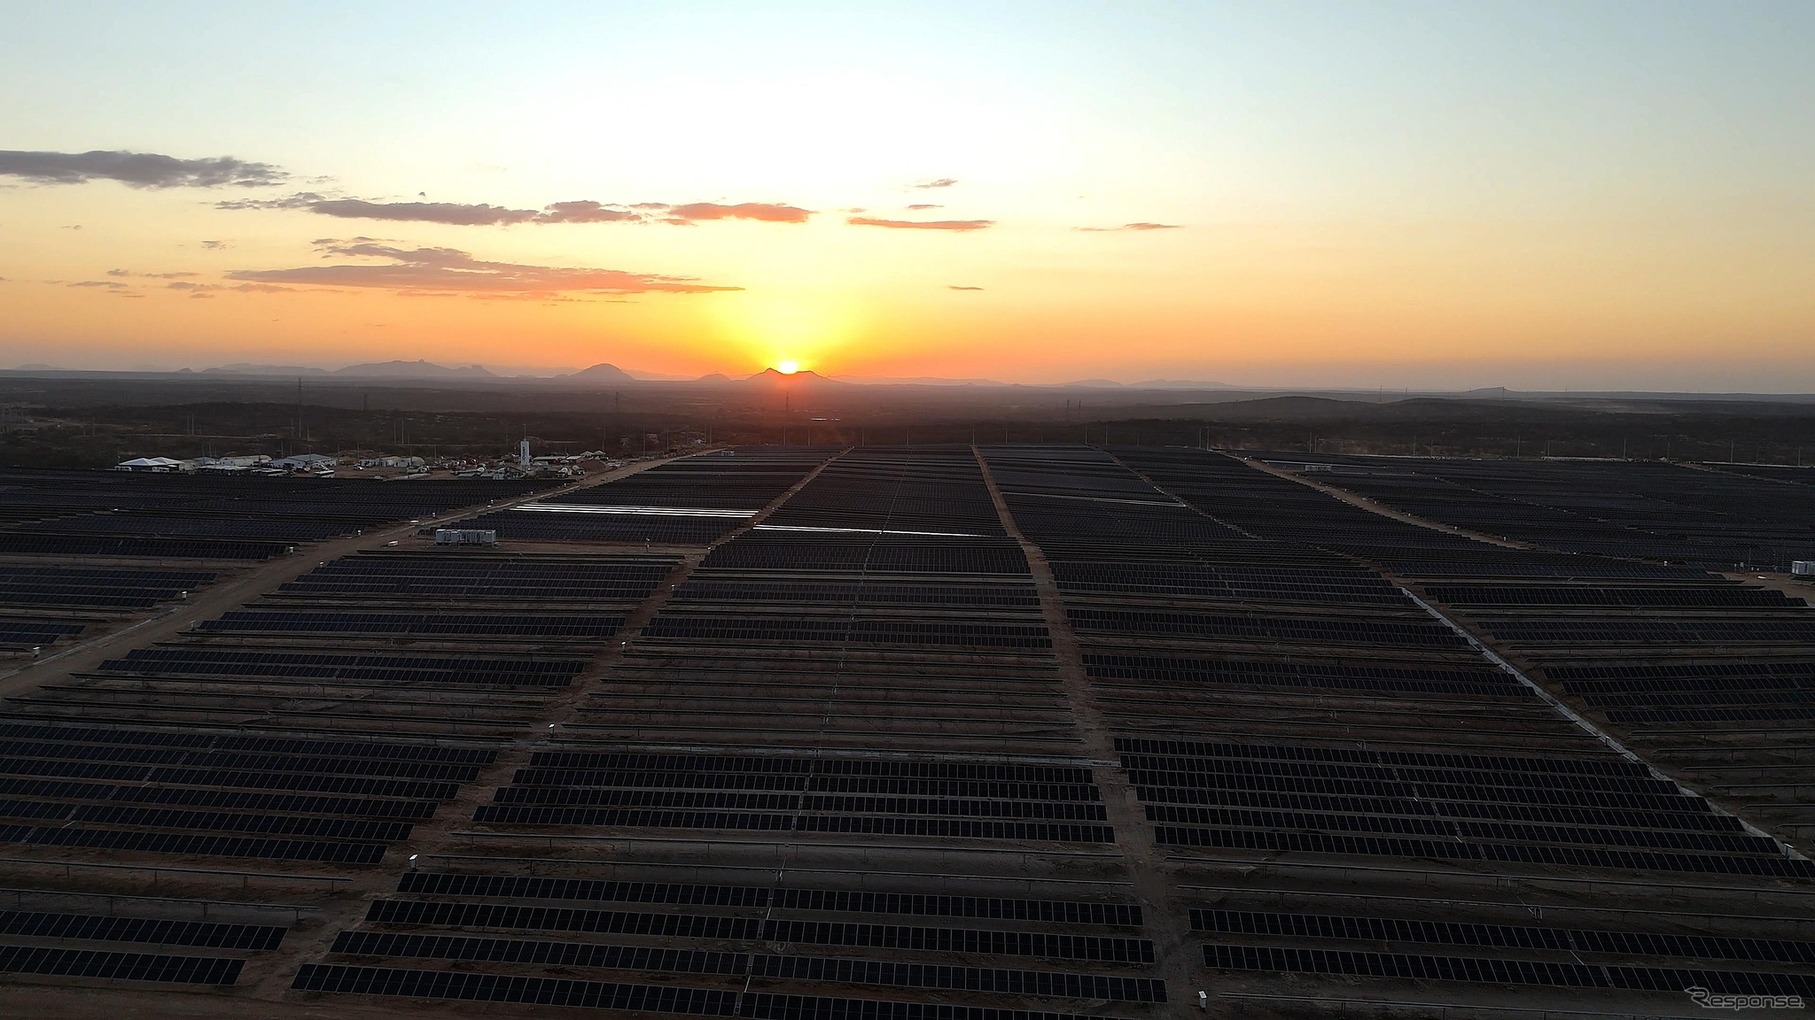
864,670
854,750
1283,709
692,501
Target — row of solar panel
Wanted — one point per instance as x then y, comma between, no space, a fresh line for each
785,802
369,830
711,587
910,768
157,931
89,963
1163,784
203,661
1676,631
645,998
1403,779
1551,856
903,975
596,626
1571,940
1663,816
427,765
1189,749
1127,623
897,557
1500,971
300,777
555,526
243,800
1599,596
25,631
237,741
1098,948
190,843
540,789
674,627
1440,825
938,827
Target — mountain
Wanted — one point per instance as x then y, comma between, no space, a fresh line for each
601,372
716,377
1180,384
413,370
242,368
1092,383
804,377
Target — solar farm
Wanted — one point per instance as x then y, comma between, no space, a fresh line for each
941,732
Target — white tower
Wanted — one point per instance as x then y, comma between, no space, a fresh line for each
523,453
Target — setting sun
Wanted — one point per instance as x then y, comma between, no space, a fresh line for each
787,367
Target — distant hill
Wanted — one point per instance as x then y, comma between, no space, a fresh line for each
601,372
716,377
1100,384
243,368
805,376
413,370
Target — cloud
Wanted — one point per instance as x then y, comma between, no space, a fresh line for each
1133,226
954,286
767,212
109,284
482,214
584,212
449,269
917,206
151,276
452,213
137,169
216,245
868,221
943,182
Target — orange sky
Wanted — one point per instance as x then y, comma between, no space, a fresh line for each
1298,194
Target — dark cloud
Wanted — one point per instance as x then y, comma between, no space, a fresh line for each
943,182
918,206
216,245
1132,226
449,269
137,169
867,221
452,213
767,212
584,212
953,286
108,284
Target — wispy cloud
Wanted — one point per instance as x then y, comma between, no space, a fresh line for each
767,212
954,286
151,276
461,214
137,169
216,245
449,269
1133,226
918,206
107,284
943,182
870,221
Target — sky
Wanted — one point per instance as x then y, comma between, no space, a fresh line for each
1405,195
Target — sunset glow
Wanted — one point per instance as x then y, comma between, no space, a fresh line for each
1318,194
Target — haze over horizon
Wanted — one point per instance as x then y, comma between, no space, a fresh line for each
1407,195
